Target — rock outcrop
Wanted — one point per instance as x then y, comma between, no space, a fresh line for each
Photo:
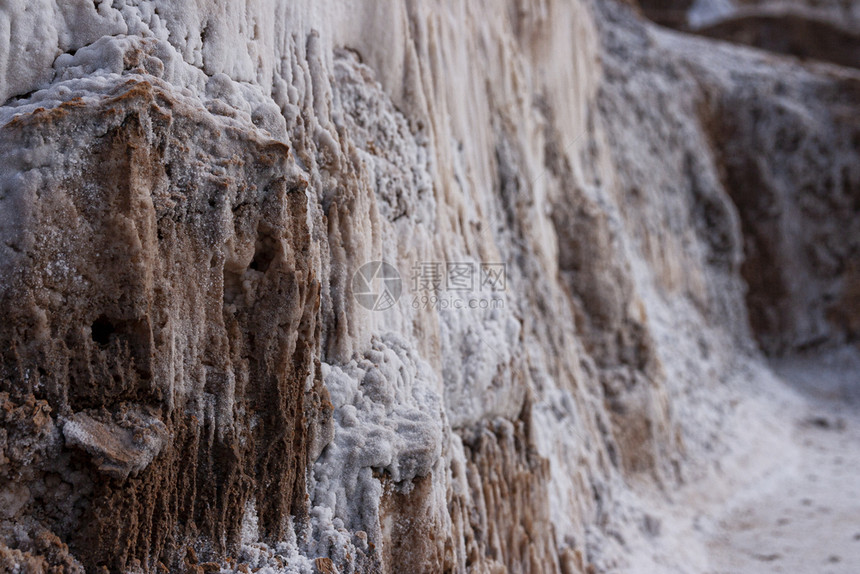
188,191
138,269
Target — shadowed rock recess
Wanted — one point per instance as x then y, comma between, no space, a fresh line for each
187,189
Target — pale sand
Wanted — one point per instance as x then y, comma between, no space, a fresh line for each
805,518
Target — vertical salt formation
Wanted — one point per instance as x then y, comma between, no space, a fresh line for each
159,332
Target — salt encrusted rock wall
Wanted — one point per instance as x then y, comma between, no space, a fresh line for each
148,246
188,189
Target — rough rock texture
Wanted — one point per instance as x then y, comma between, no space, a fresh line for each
135,270
188,188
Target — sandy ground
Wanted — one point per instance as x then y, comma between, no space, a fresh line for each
804,515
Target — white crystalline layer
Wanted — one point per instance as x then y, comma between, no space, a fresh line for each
480,368
388,419
249,42
283,558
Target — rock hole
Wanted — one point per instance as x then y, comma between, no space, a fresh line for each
265,250
129,338
102,329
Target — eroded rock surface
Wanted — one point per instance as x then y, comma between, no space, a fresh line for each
133,270
188,383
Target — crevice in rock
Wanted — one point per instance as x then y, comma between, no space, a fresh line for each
265,250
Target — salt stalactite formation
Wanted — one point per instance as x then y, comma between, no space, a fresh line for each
187,190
